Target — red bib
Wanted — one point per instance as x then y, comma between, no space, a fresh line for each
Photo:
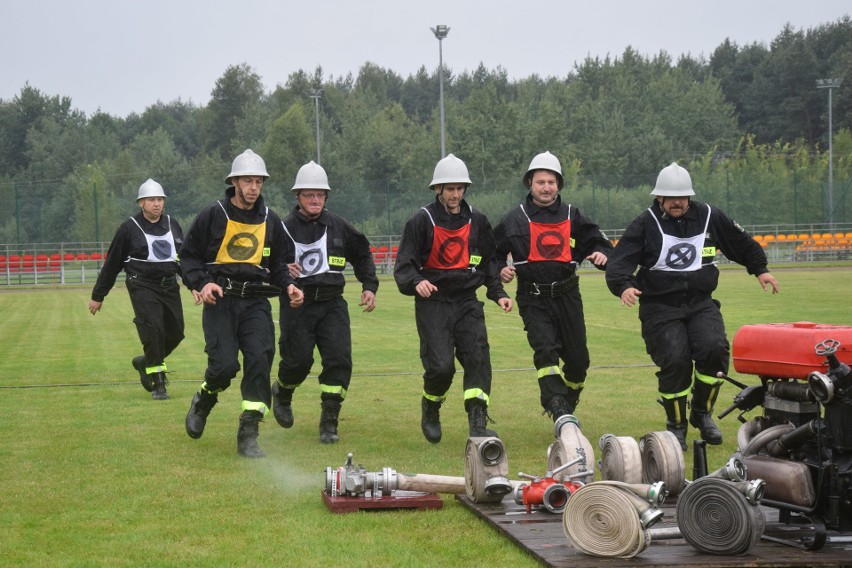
449,249
550,242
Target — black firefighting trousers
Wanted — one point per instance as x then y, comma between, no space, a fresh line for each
321,324
158,315
556,329
450,329
677,335
233,325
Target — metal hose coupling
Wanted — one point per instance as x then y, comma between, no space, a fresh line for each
733,470
355,481
485,470
571,446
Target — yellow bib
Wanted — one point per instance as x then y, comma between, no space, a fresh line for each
242,243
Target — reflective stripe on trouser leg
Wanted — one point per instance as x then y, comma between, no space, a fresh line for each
708,388
434,398
478,394
161,368
258,406
208,390
333,390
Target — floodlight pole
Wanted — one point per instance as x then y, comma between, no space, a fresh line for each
440,33
830,84
316,94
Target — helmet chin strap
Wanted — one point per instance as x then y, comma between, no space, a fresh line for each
444,203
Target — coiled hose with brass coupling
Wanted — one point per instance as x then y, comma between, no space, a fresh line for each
611,518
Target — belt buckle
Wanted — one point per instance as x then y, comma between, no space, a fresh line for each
243,290
553,289
228,285
536,291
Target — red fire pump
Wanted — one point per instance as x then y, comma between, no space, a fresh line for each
802,444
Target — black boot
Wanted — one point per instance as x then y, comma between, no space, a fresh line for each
144,378
477,420
247,434
202,403
281,407
557,406
430,421
676,418
573,398
159,392
328,421
701,416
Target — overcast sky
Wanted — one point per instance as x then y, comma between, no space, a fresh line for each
121,56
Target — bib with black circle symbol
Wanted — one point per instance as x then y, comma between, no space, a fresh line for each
242,244
160,248
449,248
312,257
550,242
681,254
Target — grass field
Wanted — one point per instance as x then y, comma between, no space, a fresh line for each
95,473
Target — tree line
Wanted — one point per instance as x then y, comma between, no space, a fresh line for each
748,121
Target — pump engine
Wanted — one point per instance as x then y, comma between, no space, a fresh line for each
802,444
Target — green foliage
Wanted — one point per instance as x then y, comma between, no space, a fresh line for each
749,120
289,144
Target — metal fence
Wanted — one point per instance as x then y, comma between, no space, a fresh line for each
37,264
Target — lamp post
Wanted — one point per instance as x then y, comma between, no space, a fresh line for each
440,33
316,94
830,84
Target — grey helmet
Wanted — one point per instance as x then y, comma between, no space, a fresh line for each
150,189
247,164
673,181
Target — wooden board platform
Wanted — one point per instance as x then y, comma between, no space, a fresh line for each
541,534
399,500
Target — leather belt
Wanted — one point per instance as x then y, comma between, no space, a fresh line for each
553,289
164,282
322,293
231,287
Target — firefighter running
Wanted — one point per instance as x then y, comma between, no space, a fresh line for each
445,255
547,238
145,246
674,244
323,243
233,249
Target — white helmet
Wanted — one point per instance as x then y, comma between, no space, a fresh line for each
150,189
545,161
311,176
247,164
450,170
673,181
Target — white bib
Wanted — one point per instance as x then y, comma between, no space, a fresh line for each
312,257
680,255
160,249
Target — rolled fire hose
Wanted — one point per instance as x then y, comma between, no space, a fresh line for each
485,470
715,516
621,459
609,519
571,444
662,460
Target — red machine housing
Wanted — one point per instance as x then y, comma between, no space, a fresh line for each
786,350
